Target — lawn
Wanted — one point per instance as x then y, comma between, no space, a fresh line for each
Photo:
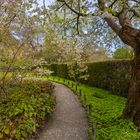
106,113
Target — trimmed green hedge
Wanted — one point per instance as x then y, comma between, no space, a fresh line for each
111,75
59,70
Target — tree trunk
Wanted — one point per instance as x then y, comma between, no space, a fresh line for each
130,36
132,109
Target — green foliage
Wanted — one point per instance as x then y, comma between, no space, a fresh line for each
106,113
111,11
24,107
123,53
111,75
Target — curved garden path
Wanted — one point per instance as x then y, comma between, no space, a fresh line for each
68,122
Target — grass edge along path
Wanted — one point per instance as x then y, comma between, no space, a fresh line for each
103,112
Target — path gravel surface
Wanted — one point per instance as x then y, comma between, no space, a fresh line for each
68,122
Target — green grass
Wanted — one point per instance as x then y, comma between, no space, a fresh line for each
8,75
106,113
11,73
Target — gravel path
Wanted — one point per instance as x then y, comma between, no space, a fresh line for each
68,122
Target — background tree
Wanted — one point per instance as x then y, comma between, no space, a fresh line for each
123,53
18,30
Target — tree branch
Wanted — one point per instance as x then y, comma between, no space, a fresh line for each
108,17
135,13
137,1
111,5
123,19
9,22
79,9
59,7
73,10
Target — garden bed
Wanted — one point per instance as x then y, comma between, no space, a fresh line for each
24,107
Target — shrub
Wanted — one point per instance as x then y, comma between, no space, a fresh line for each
24,108
111,75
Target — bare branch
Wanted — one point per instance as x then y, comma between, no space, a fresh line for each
78,16
69,22
59,7
10,65
9,22
123,19
78,25
109,18
113,3
135,13
73,10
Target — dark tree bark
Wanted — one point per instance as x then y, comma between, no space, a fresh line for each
131,37
132,109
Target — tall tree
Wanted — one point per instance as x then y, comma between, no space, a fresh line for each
123,17
18,28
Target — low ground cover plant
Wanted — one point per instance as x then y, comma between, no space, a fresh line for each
24,107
